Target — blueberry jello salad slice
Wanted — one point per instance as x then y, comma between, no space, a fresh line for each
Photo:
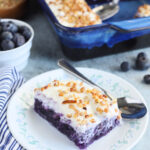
73,13
82,113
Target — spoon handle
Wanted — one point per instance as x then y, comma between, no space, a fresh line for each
66,66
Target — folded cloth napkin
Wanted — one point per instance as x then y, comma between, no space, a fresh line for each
10,81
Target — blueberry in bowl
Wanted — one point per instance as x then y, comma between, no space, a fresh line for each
25,32
16,35
15,42
19,39
8,26
7,44
6,35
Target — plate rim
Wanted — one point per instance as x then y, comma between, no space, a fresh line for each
10,128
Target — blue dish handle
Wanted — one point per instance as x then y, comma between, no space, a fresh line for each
131,25
137,115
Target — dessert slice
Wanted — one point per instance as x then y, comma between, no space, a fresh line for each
80,112
73,13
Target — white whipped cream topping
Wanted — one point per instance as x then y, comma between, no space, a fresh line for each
51,99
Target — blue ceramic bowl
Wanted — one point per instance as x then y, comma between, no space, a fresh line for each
120,27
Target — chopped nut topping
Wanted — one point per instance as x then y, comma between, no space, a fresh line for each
84,108
86,102
102,103
56,83
99,110
61,94
68,84
73,89
92,120
69,115
82,89
80,101
104,96
106,110
88,116
81,83
42,89
73,108
68,101
80,105
74,85
97,100
88,91
76,115
116,110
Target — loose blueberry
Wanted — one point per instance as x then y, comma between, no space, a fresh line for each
18,39
142,54
125,66
142,63
7,44
147,79
6,35
9,26
25,31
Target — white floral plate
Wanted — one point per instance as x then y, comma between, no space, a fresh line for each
34,133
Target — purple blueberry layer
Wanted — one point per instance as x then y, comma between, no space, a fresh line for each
82,140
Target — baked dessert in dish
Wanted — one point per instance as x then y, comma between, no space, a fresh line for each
143,11
80,112
12,8
73,13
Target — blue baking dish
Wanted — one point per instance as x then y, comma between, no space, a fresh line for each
121,27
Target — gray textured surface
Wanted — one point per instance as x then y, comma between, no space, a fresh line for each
46,51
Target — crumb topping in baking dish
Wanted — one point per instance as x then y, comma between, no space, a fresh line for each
143,11
73,13
81,104
8,3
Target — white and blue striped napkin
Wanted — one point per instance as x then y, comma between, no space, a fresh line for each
10,81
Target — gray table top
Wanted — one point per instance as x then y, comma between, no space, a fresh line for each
44,55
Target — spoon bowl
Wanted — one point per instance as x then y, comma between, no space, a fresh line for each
106,11
129,110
